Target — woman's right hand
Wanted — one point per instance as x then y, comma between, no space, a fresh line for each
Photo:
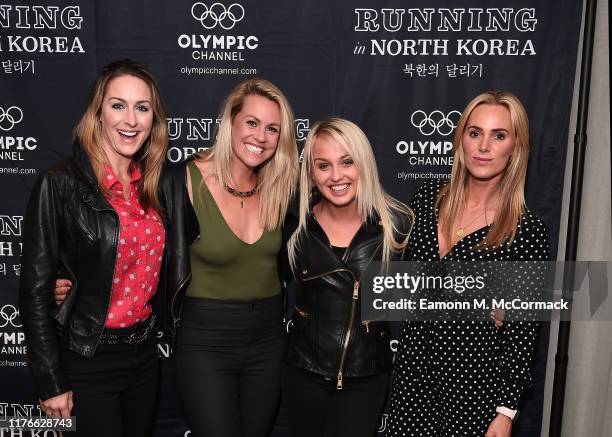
62,288
498,315
58,406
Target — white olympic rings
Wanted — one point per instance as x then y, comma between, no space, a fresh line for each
9,118
217,15
437,121
8,314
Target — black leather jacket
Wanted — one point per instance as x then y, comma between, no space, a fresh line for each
182,230
328,336
70,229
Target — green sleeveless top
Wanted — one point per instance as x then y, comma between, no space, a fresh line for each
222,265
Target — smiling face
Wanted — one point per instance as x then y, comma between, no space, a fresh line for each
334,173
255,131
126,117
488,141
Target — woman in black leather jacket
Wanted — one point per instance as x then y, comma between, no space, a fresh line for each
337,370
96,219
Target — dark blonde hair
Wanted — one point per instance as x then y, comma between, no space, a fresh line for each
511,187
277,177
151,156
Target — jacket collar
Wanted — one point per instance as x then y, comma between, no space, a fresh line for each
325,259
88,186
371,227
82,164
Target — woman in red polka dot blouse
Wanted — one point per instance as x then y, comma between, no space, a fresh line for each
96,219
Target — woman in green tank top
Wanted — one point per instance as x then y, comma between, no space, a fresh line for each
229,345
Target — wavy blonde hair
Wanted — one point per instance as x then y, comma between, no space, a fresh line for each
151,156
277,177
511,187
371,198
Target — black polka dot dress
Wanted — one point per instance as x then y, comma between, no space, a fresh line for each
449,377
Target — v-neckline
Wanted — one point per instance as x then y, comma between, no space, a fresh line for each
214,202
452,248
361,225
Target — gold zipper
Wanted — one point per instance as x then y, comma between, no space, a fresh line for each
310,278
351,322
348,334
352,318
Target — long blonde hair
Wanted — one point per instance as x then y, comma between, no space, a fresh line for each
511,187
151,156
277,177
371,198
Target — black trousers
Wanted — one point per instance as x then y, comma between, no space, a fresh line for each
316,408
228,357
115,391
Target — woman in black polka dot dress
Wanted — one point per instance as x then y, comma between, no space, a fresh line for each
466,378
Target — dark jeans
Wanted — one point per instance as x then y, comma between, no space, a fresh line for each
115,391
316,408
228,356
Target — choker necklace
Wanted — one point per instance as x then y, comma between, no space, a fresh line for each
242,194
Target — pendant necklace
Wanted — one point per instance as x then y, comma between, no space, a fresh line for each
241,194
461,230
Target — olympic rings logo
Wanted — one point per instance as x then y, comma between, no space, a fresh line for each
217,15
9,314
437,121
10,117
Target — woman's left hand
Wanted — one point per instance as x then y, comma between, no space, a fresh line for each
499,427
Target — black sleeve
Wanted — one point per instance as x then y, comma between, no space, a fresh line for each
39,267
520,337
